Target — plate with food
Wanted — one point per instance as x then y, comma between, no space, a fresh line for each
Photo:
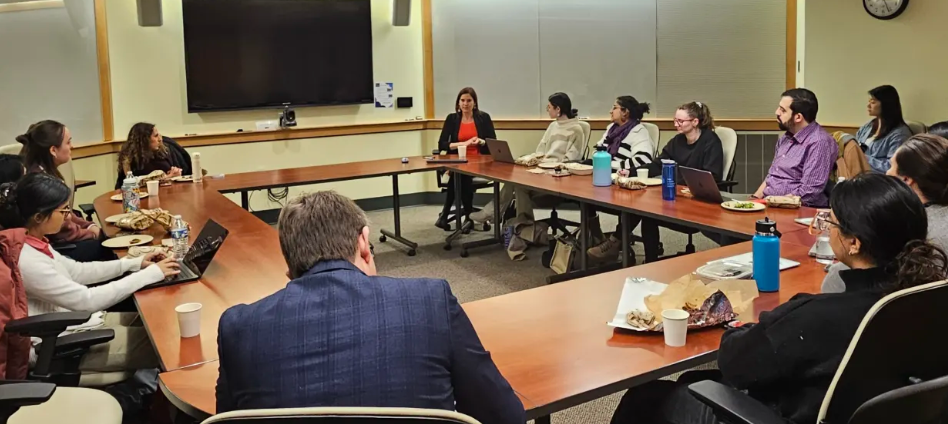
741,206
579,169
116,218
632,313
182,179
141,195
650,181
550,165
127,241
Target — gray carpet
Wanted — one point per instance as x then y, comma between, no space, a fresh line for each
488,272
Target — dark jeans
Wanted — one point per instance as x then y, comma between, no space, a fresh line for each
652,238
467,194
87,251
666,402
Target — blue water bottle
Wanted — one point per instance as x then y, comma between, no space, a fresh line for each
766,246
602,167
669,182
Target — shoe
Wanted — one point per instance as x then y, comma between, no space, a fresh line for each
484,215
442,223
606,251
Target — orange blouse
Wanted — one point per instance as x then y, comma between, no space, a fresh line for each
466,132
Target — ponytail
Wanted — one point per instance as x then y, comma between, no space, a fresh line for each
563,102
37,141
919,263
701,112
9,211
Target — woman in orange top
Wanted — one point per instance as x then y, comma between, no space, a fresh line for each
466,128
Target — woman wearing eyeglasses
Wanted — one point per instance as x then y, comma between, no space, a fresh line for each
38,204
695,146
878,228
922,164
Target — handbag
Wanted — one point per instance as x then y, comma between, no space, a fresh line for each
564,253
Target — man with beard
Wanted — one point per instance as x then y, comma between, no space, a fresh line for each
805,154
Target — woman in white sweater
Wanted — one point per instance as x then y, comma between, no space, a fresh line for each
563,141
55,283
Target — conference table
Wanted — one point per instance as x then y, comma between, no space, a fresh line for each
551,342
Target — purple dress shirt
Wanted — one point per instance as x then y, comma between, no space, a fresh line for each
802,165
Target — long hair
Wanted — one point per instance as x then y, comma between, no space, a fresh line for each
891,116
37,141
701,112
470,91
11,168
891,224
924,158
33,198
562,101
136,151
636,109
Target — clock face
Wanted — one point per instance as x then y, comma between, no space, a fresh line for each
885,9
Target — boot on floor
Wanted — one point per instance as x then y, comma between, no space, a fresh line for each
607,251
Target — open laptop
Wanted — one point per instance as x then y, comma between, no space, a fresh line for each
199,255
702,185
499,150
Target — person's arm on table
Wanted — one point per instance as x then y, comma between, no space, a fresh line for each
225,402
759,194
488,132
449,126
479,389
817,165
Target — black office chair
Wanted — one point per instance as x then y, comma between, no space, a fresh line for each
479,184
893,371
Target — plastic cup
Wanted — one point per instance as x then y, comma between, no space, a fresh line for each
462,152
642,174
152,188
675,322
189,319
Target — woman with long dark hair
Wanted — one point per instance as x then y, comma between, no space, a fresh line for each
881,136
878,228
626,139
144,152
466,128
55,283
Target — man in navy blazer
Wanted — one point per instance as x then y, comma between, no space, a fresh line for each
338,335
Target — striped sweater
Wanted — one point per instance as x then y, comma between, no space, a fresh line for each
563,141
635,151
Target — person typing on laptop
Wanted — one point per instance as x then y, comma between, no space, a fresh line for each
38,203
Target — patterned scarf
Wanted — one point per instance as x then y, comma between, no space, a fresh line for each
616,134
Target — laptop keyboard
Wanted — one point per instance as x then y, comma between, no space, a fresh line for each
185,273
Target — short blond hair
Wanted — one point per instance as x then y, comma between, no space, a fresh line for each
320,226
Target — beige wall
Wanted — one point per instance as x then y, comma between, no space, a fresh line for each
148,75
848,53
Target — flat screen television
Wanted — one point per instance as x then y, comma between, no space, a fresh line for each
248,54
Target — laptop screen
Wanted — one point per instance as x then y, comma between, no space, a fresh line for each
205,246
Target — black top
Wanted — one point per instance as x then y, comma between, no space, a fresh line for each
452,124
789,358
706,154
177,157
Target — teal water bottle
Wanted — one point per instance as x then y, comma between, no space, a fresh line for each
602,167
766,248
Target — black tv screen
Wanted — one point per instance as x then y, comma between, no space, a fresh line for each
244,54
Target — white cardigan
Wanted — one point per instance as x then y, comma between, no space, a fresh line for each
59,284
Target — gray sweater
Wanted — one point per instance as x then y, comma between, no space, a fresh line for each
937,234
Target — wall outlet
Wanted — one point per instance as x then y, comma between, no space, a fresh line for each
267,125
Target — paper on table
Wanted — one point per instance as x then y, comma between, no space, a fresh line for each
633,297
748,259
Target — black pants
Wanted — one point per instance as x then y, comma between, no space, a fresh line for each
467,194
666,402
652,238
87,251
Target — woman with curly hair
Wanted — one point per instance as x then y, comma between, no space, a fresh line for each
144,152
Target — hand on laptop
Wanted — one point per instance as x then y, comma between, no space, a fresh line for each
169,267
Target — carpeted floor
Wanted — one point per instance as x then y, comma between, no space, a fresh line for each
488,272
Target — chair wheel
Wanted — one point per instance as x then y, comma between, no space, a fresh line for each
383,239
486,227
411,252
464,253
447,247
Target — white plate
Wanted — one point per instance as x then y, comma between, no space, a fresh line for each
118,197
651,181
116,218
182,179
550,165
127,241
804,221
634,292
729,205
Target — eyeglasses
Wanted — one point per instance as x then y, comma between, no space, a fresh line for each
65,211
680,122
822,222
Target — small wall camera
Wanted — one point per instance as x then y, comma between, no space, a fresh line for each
287,117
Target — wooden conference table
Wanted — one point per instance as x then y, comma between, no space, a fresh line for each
551,343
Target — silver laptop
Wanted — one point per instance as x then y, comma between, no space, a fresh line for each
702,185
499,150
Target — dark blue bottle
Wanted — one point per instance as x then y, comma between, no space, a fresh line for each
669,182
766,248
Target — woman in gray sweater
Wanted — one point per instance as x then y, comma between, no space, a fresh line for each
880,137
922,163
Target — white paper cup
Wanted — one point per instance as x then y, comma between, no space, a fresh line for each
189,319
462,152
642,174
675,327
152,188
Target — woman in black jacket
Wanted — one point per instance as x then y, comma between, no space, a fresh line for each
878,228
466,128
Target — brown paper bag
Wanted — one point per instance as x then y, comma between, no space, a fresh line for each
690,293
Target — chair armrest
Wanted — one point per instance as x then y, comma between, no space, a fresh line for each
87,209
15,395
53,323
726,184
733,406
83,339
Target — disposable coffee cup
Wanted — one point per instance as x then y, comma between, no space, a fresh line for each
189,319
152,188
642,174
462,152
675,326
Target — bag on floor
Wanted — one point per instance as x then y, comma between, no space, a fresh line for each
520,234
564,252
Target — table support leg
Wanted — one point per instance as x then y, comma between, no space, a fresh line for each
542,420
624,224
497,219
245,200
396,209
583,236
459,229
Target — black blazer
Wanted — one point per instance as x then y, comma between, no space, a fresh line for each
452,124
